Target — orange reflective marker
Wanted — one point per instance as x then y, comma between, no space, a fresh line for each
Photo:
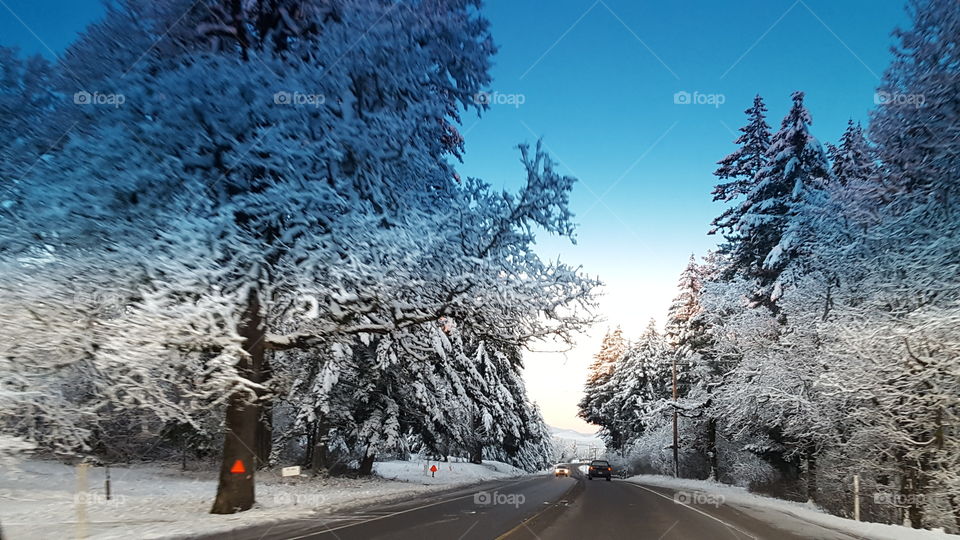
238,467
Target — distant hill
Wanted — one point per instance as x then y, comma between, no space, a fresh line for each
570,445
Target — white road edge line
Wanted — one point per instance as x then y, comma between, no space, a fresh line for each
715,518
329,530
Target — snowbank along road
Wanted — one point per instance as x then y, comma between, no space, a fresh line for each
548,508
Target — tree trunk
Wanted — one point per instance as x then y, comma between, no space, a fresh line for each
909,489
366,465
811,477
476,454
476,447
320,459
235,492
265,426
712,449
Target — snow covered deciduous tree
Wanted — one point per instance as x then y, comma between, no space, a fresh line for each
273,204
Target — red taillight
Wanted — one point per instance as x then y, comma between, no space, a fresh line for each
591,468
609,468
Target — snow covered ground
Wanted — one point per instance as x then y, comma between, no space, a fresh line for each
770,510
42,500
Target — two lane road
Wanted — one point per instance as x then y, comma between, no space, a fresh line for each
544,508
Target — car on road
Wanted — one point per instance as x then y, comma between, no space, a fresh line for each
600,468
561,470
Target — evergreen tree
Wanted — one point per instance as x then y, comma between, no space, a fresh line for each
685,308
852,160
773,225
917,124
597,391
640,381
739,169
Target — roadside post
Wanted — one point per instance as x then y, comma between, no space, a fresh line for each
856,497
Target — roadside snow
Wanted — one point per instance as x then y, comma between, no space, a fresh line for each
39,499
767,509
448,473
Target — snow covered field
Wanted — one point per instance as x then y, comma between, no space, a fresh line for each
771,510
39,499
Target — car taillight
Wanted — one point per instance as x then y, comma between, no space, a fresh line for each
609,468
591,468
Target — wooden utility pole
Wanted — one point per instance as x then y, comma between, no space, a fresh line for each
676,450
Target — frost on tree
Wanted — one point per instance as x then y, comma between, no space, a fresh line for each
739,170
773,222
273,212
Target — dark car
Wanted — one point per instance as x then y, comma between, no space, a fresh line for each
600,468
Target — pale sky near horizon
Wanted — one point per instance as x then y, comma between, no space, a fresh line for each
597,80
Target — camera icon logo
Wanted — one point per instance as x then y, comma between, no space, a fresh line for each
682,98
482,498
82,97
482,98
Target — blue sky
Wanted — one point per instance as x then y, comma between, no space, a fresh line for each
597,80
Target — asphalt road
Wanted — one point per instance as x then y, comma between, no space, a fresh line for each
545,508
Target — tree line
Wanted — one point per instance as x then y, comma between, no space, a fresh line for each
819,341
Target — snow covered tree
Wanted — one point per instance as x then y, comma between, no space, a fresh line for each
215,200
852,160
917,122
738,171
683,329
26,96
638,379
774,219
600,372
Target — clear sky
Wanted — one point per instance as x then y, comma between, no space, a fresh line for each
597,80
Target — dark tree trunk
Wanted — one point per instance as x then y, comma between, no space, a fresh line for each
320,459
909,489
265,424
476,446
366,465
712,449
235,492
811,476
476,454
